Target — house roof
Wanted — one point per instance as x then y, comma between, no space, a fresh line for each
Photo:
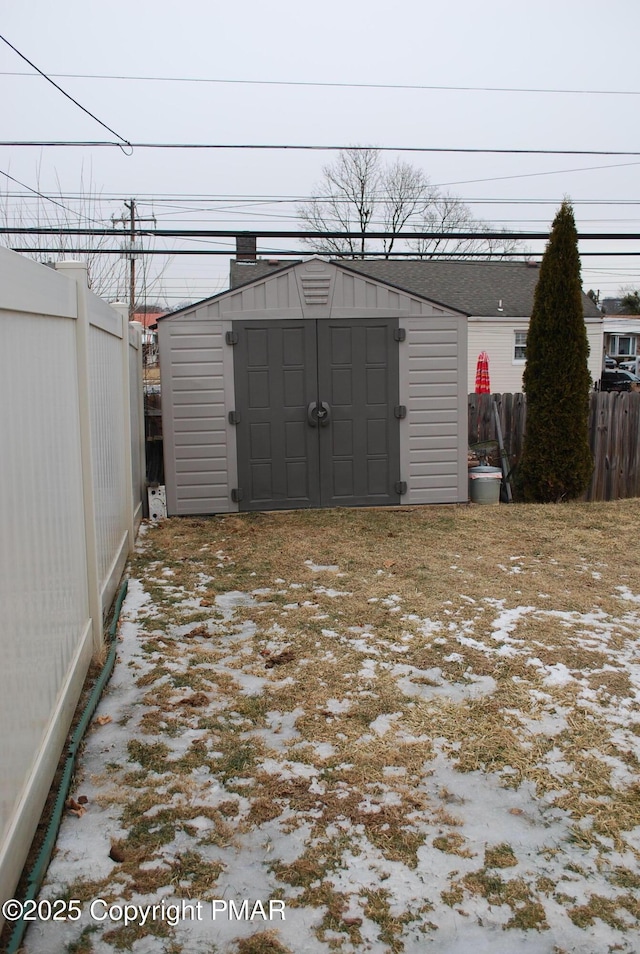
621,324
481,289
148,319
473,288
612,306
245,272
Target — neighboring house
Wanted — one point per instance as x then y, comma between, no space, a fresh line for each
149,322
495,297
621,336
611,306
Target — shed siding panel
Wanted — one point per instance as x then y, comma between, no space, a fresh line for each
436,376
201,369
260,296
186,412
348,291
197,407
283,296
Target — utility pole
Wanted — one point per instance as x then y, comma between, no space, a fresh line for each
133,251
132,260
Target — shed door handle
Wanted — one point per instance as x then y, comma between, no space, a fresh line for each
324,413
318,415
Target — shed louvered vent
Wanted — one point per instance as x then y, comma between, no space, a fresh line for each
316,289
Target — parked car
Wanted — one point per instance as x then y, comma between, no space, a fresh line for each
610,363
619,381
631,365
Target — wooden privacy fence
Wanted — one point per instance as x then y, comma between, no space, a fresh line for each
614,435
72,478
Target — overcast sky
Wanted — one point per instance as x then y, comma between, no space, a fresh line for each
255,50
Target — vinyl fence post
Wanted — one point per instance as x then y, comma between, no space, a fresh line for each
123,311
77,272
142,424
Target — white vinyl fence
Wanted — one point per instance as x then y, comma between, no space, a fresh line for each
71,490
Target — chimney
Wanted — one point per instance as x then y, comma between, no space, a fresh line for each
245,248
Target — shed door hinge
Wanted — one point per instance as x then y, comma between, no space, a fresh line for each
231,337
400,334
234,417
400,411
237,494
401,487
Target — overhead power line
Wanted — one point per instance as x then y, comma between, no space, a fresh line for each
157,198
339,85
304,253
64,93
302,234
41,195
47,198
315,147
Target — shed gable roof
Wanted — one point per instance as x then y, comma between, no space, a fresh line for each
309,282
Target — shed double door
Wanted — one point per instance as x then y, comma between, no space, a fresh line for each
317,413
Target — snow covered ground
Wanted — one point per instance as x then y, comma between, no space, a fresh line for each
432,750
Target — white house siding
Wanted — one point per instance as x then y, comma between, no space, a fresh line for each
595,336
496,336
197,376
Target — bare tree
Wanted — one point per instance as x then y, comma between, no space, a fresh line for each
358,193
345,201
447,213
407,194
107,272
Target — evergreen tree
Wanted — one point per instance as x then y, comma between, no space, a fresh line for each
556,460
630,304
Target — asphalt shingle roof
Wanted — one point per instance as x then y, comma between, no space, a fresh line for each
473,288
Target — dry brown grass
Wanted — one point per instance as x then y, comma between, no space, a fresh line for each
265,942
420,588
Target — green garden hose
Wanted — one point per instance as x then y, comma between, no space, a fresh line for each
39,869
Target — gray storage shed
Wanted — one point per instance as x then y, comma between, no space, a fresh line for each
311,385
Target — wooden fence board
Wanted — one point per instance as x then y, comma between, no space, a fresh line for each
634,463
614,437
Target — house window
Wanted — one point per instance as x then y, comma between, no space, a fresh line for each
622,345
520,346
